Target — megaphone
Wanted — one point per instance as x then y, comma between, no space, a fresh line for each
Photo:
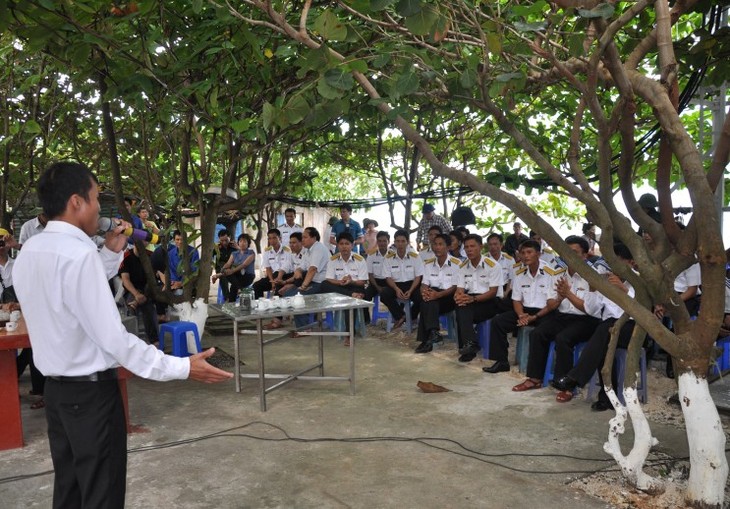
106,225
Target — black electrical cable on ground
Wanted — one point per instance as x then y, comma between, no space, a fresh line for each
465,452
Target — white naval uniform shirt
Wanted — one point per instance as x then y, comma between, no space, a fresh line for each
297,260
278,260
600,306
579,287
478,279
426,254
375,263
443,276
690,276
74,325
286,232
533,291
355,267
403,269
505,262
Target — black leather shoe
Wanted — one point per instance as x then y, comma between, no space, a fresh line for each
566,383
470,349
467,357
434,337
424,347
601,406
497,367
669,367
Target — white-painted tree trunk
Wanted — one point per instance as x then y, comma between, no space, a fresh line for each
196,313
632,464
708,464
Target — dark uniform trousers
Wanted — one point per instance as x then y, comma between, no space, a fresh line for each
430,312
567,330
476,312
388,297
263,285
503,324
348,290
88,441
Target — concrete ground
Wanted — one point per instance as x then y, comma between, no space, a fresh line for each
389,445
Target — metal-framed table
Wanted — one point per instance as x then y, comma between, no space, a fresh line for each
318,303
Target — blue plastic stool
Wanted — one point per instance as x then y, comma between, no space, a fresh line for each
550,364
522,352
620,360
723,361
376,313
329,320
448,323
407,310
339,323
179,336
221,299
483,333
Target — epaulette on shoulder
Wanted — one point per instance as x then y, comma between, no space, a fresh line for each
455,260
489,261
269,248
520,271
358,257
553,272
463,264
373,251
507,256
430,260
516,265
391,254
334,257
287,249
412,254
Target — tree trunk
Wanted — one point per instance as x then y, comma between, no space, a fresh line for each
708,464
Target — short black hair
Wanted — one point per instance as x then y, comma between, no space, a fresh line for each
346,236
531,243
496,235
587,226
346,206
244,236
290,210
61,181
383,233
575,239
474,237
435,227
223,232
312,232
274,231
622,251
401,233
457,235
443,236
296,235
176,233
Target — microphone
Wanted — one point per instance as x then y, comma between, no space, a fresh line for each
106,225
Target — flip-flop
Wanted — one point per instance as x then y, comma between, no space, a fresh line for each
273,324
38,405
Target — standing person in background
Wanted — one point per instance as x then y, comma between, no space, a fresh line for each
370,237
430,218
328,234
349,225
289,225
589,234
79,340
513,240
32,227
221,253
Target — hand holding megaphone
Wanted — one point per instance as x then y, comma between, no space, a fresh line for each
106,225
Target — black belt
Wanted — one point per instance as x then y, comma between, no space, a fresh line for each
99,376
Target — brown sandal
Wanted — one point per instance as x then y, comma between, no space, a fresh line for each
564,396
527,385
38,405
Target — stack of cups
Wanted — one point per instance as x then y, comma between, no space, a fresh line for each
12,325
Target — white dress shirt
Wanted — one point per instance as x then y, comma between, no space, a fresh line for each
443,276
375,261
74,325
356,267
29,228
403,269
479,279
317,256
286,232
278,260
534,291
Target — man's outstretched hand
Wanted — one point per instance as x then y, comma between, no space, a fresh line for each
201,371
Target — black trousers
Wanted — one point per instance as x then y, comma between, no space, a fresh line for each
430,312
476,312
348,290
503,324
88,440
263,285
239,281
371,292
388,297
566,330
225,287
37,380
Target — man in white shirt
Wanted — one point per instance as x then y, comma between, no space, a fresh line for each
403,272
505,261
347,272
32,227
315,262
289,226
78,340
296,276
440,276
567,326
277,263
477,295
427,252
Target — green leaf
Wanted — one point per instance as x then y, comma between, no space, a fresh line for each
339,79
600,11
269,111
32,127
379,5
330,27
531,27
408,7
358,66
468,78
494,41
381,60
421,22
296,109
242,125
327,91
407,83
509,76
197,6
